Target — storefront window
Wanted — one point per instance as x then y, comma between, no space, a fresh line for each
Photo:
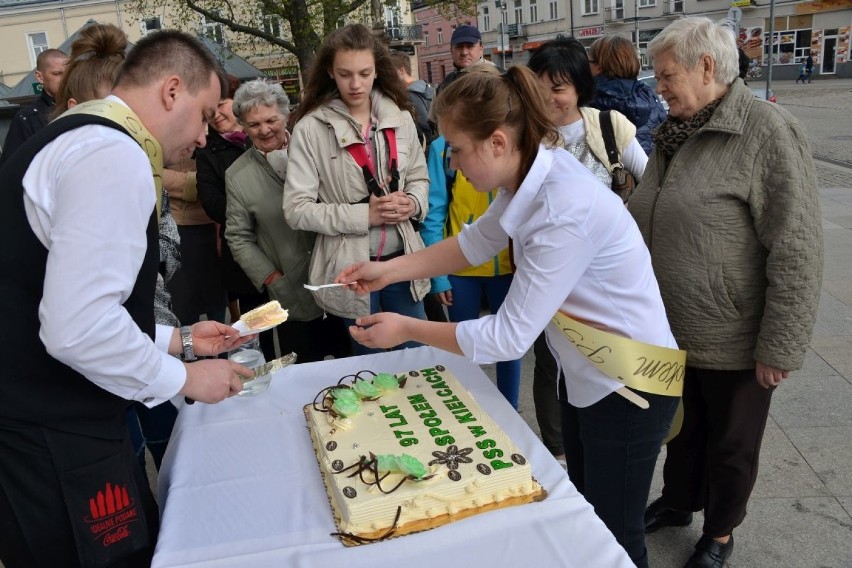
788,47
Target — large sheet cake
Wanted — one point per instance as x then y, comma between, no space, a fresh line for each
409,452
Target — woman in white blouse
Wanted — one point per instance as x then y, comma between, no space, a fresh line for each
577,251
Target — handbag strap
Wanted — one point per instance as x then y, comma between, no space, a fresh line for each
609,139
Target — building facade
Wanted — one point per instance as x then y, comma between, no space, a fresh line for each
513,29
32,26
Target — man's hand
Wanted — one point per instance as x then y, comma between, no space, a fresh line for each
211,338
382,330
768,377
213,380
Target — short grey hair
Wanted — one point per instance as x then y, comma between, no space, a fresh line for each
689,39
259,92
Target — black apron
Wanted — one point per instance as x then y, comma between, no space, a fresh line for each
71,484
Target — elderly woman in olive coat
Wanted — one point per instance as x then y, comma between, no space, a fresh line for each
729,209
274,256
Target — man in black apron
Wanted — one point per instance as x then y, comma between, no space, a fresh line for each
78,265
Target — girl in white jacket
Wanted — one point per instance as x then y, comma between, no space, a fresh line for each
357,175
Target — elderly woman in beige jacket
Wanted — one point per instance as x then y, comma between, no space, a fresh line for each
274,256
729,209
355,101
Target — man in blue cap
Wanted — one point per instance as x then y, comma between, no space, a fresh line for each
466,49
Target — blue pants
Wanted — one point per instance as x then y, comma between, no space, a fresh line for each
611,448
394,298
467,299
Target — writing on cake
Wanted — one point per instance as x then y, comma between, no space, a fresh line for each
409,452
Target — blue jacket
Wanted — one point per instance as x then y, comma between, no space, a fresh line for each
636,101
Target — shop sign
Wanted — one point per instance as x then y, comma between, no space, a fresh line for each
590,32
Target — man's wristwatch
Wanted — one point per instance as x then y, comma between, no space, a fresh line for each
186,341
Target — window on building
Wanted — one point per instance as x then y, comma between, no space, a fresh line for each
519,12
618,9
151,24
591,7
270,23
38,43
647,3
213,29
393,24
425,38
645,37
554,10
486,19
440,36
533,11
428,71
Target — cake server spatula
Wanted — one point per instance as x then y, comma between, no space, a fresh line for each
271,367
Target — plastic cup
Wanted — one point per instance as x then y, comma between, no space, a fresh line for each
250,355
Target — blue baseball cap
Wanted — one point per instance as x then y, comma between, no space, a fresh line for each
465,34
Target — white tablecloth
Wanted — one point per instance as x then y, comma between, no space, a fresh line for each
240,487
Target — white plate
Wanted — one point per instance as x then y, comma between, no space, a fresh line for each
241,327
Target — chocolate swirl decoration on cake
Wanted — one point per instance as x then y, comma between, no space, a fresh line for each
354,538
371,465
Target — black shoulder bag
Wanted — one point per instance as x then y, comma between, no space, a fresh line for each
623,182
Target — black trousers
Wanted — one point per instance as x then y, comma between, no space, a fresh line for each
68,500
712,464
547,411
611,448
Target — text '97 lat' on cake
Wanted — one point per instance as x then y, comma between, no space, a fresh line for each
410,452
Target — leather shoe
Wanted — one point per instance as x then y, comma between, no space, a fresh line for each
658,516
710,553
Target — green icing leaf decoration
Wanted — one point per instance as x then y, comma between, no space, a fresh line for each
412,466
386,382
365,389
388,462
345,394
346,406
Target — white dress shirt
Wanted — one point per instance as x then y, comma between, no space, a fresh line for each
88,196
577,249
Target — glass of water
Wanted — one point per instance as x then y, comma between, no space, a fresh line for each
250,355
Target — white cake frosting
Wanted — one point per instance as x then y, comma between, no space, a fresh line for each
471,462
